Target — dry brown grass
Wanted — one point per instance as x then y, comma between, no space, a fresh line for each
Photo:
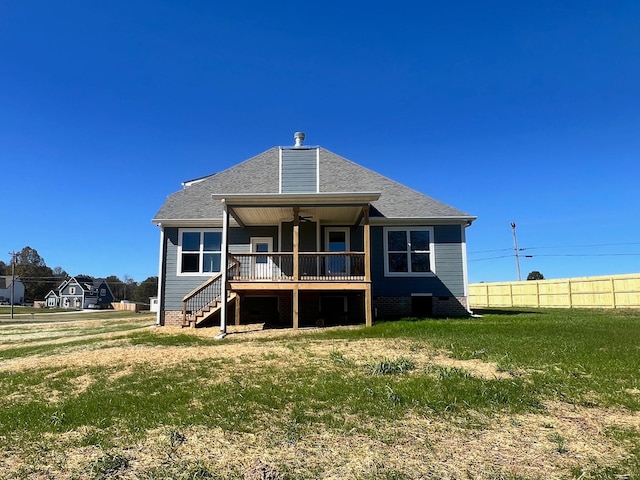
417,446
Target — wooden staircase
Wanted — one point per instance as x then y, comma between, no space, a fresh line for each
206,299
207,311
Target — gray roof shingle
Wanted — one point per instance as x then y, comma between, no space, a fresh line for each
260,174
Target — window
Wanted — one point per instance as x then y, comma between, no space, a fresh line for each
199,252
72,290
408,251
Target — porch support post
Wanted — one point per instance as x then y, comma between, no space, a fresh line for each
367,245
296,267
368,307
296,308
368,320
238,308
296,243
223,268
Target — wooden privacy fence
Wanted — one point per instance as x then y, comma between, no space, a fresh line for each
614,291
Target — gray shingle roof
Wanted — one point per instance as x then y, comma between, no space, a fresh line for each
260,174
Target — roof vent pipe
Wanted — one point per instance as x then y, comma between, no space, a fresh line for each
299,137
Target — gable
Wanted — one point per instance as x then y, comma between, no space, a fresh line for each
299,170
262,174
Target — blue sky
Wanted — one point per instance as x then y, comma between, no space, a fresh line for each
510,111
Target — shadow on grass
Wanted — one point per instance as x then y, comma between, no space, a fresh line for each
504,311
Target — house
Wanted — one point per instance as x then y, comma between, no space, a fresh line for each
300,236
154,304
80,292
9,291
51,299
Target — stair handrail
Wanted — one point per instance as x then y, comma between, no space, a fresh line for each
214,284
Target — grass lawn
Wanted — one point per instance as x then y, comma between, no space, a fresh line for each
512,395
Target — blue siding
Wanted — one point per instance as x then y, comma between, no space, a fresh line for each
175,287
299,171
240,238
449,278
307,237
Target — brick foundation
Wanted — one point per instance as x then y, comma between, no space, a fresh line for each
171,318
391,306
402,306
450,307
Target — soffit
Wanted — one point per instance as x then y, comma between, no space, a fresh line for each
339,215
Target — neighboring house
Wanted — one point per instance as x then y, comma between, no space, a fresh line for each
79,293
301,236
51,299
7,292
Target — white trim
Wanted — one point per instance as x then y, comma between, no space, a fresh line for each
318,170
200,252
194,223
279,169
296,199
255,266
160,276
254,240
465,271
432,255
347,245
400,222
347,237
223,268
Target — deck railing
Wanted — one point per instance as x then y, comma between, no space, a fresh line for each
206,295
316,266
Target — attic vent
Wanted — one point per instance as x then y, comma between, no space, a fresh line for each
299,138
299,170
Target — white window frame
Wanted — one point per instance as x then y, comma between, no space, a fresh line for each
263,270
201,252
72,290
347,242
409,273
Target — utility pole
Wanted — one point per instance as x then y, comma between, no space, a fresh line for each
13,280
515,249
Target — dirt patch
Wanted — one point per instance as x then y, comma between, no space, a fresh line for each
359,351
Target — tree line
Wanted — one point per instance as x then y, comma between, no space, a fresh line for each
39,279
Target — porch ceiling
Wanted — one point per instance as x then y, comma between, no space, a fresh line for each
272,209
343,215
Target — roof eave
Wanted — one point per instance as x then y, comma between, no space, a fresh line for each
435,220
187,222
296,199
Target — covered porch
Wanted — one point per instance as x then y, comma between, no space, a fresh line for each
314,250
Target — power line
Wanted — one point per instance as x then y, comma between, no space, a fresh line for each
560,246
561,255
491,251
589,255
588,245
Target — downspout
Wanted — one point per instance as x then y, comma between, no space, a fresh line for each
465,273
223,267
160,276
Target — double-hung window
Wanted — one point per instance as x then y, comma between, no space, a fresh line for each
200,251
408,251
